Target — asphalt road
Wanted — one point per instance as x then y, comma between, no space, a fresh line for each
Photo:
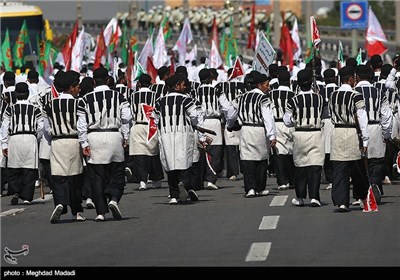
222,229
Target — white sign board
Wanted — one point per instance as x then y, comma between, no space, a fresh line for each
265,55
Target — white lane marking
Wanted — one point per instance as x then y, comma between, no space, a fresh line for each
47,197
279,200
258,252
12,212
269,222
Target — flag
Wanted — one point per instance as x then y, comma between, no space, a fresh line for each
44,57
238,70
251,42
54,91
111,28
286,46
19,46
69,44
370,204
185,37
133,42
151,127
214,32
264,56
215,58
316,39
232,48
112,45
151,70
296,39
147,51
6,52
77,52
124,45
129,67
309,53
359,58
160,56
340,55
138,69
375,36
192,55
166,28
100,50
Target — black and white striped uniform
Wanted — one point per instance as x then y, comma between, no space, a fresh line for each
283,156
232,90
304,112
124,90
327,128
21,129
175,114
9,95
145,158
3,159
254,113
103,125
345,104
66,155
160,89
379,123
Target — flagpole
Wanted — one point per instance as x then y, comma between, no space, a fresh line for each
33,54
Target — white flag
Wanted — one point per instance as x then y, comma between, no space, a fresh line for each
146,51
160,56
374,31
77,51
265,55
192,55
184,39
215,58
296,39
257,38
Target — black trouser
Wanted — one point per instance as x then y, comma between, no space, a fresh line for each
22,181
328,169
232,160
308,177
47,172
86,189
67,190
129,163
376,170
390,159
342,171
254,174
191,177
4,178
284,167
146,167
174,177
216,156
107,181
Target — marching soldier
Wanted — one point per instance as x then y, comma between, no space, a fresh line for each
66,156
21,129
160,88
348,113
283,151
103,129
146,164
304,112
258,132
379,124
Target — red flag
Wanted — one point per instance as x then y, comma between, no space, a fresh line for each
398,162
151,70
316,39
172,66
69,44
376,47
214,32
100,50
237,70
54,91
370,204
286,44
251,42
129,67
152,127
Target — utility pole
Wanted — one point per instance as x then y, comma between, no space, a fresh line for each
397,3
133,15
309,12
277,26
79,13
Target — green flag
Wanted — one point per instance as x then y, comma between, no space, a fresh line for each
310,52
166,28
44,57
19,46
359,57
124,45
139,70
232,49
6,52
340,54
133,42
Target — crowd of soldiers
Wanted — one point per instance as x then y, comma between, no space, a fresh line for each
91,133
201,18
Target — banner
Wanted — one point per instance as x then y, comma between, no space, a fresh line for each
265,55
